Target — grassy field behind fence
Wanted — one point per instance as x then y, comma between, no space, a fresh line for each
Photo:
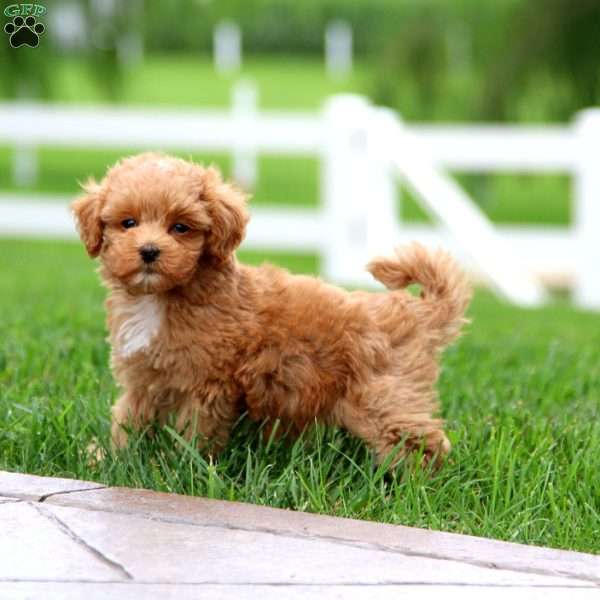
520,393
284,83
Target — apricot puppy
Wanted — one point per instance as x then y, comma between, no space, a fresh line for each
196,334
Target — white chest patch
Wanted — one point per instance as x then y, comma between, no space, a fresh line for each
142,321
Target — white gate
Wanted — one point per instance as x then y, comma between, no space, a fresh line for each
364,150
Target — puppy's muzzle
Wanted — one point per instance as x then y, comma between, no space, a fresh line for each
149,253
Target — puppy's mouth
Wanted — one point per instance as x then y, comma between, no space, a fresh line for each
146,280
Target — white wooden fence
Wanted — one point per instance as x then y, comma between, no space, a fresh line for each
363,151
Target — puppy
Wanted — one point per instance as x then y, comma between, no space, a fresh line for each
196,334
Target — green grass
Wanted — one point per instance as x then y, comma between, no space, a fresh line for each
519,391
187,80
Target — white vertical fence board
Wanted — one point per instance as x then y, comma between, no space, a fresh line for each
344,187
244,109
25,165
227,47
380,197
338,48
587,210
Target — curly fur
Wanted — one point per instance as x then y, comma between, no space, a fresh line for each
201,336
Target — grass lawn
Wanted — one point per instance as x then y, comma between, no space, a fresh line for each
191,81
519,391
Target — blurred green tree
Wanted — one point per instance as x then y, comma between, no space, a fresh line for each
416,55
431,59
27,72
559,39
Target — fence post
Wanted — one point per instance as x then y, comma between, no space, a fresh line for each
130,43
383,214
244,108
25,165
338,48
130,49
227,47
355,190
587,209
67,25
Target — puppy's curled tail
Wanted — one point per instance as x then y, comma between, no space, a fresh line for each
446,291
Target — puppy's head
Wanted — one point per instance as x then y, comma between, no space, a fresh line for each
153,217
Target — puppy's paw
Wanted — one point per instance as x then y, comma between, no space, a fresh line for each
119,437
94,454
426,449
437,448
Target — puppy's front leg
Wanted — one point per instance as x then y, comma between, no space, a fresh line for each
125,412
211,419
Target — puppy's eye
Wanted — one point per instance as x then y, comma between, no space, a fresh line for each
128,223
180,228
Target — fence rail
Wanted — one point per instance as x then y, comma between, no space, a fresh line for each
363,150
102,127
501,147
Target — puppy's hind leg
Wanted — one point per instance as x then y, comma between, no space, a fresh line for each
386,416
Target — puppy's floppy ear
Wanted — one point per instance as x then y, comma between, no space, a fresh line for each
227,208
87,215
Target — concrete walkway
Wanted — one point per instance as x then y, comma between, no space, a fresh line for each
62,538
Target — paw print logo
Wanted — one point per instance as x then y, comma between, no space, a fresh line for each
24,31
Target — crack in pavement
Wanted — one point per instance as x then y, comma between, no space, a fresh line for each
81,542
8,496
45,497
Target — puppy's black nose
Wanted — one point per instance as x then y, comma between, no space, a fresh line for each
149,253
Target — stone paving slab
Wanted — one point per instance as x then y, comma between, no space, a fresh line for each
34,545
157,551
409,540
121,543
